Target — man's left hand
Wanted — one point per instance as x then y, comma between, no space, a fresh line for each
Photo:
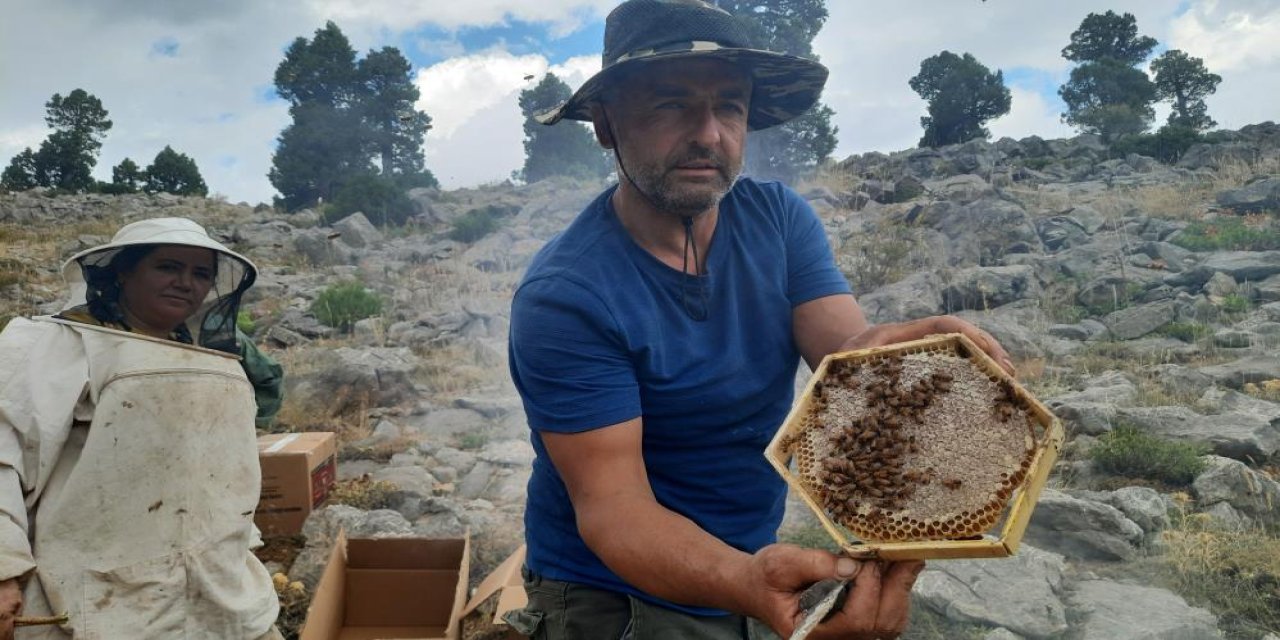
884,334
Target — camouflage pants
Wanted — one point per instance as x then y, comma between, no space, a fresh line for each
568,611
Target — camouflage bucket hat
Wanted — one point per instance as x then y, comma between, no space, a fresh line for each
638,32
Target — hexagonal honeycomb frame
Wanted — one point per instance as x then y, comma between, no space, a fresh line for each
1017,508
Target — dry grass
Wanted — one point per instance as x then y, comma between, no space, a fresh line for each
1268,390
1235,573
363,493
453,369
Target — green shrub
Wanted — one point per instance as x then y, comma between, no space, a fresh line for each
343,305
245,323
1129,452
1228,234
1166,145
472,440
1184,331
478,223
1235,303
1037,164
380,199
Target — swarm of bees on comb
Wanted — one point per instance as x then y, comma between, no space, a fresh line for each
919,446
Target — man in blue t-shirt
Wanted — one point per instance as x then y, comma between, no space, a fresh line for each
655,343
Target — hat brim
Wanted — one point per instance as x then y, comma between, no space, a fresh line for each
235,272
783,86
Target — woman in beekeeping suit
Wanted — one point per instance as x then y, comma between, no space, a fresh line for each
128,460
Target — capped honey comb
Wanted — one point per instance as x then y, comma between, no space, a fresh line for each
927,441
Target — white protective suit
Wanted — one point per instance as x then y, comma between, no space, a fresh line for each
128,480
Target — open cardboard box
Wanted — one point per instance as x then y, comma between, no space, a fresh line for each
391,588
298,470
508,584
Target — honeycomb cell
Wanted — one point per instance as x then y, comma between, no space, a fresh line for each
921,446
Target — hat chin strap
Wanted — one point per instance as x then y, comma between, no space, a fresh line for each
697,313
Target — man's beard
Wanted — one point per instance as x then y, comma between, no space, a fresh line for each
686,199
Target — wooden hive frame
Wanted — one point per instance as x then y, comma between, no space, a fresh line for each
1018,507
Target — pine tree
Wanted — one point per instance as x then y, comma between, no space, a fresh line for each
1105,93
66,158
21,174
963,94
787,26
352,119
127,177
387,106
567,149
173,172
1185,81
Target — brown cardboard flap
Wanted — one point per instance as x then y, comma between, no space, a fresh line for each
393,597
405,553
324,614
390,633
505,580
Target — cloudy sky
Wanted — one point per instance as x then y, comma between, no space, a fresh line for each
197,75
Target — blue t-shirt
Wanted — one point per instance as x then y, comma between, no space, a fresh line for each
601,333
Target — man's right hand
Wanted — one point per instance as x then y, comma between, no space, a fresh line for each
878,601
10,606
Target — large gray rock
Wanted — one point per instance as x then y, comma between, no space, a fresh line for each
1114,610
961,189
1022,593
982,232
985,288
1250,266
1235,435
1082,529
322,527
1092,409
1257,196
1232,482
344,378
1061,232
1173,257
1180,380
1135,322
415,480
1143,505
1236,374
1017,337
356,231
320,248
916,296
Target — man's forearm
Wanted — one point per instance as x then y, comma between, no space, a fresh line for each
665,554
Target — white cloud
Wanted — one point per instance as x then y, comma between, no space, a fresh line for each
565,16
477,128
872,50
1229,38
206,100
1030,114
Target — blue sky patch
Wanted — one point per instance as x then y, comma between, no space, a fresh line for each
165,47
1041,81
266,94
430,45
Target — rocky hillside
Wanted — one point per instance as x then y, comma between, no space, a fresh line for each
1141,300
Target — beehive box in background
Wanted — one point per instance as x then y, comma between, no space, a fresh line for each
298,470
925,449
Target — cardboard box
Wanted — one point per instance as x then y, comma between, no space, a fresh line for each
379,589
507,582
298,470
